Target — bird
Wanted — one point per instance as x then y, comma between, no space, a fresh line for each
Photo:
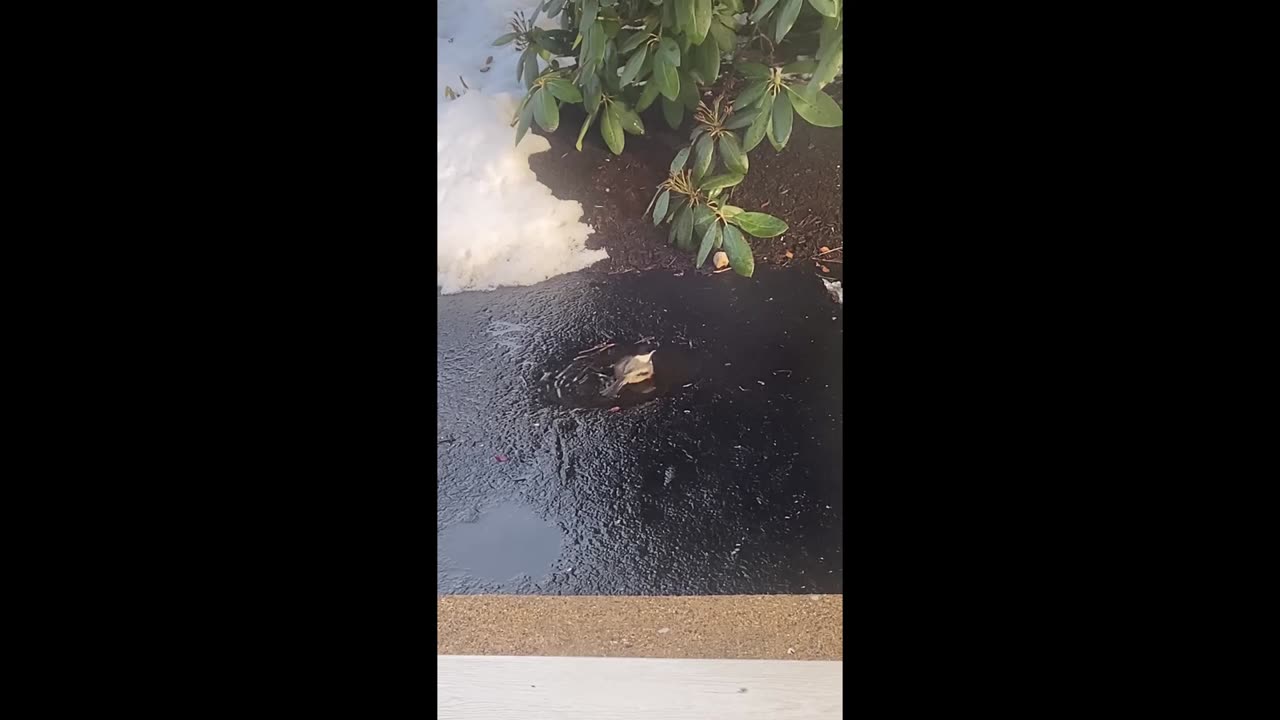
628,370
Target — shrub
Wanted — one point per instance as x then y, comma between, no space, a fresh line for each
628,54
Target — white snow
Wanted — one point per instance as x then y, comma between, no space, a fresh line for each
497,225
835,288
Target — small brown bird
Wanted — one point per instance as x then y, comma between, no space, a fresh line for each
628,370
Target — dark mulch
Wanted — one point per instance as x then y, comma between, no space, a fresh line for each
803,185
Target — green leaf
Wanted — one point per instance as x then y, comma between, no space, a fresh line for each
826,71
523,102
590,9
611,131
822,111
593,49
678,163
684,228
739,120
787,17
752,71
688,91
701,216
730,211
726,39
780,128
673,112
667,48
633,41
755,133
720,182
504,39
829,31
685,15
583,132
520,64
762,225
522,126
564,90
627,119
591,92
762,9
735,160
610,74
706,62
750,94
701,22
739,252
799,67
555,42
825,7
554,7
708,242
660,210
647,95
676,206
633,66
704,152
671,234
664,74
545,110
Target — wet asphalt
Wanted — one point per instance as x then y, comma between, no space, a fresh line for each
723,475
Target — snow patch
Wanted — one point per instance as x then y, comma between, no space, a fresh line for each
835,288
496,224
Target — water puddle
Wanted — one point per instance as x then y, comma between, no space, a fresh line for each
500,544
582,380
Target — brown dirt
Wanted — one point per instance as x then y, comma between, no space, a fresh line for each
803,185
780,627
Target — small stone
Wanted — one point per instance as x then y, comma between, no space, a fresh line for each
663,631
791,651
721,260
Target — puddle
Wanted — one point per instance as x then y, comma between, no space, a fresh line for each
500,544
581,381
726,479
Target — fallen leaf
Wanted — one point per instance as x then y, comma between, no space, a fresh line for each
789,255
721,260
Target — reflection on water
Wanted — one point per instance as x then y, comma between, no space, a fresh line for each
499,544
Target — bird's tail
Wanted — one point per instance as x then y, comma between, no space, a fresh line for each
614,387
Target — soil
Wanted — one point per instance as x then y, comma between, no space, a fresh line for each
803,185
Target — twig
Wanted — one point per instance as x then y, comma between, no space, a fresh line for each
828,252
592,351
